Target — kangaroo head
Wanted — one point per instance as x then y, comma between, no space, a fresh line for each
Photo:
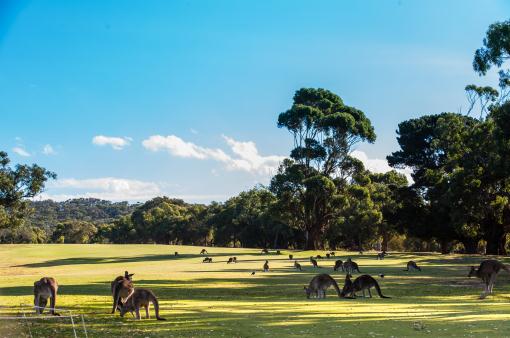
123,310
128,275
308,292
472,271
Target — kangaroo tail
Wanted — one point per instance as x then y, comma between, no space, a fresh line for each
378,289
156,308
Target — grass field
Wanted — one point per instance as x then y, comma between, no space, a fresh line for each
226,300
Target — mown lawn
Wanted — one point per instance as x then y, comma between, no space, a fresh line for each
226,300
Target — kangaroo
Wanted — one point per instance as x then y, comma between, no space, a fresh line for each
278,252
234,259
139,298
176,253
338,265
411,265
487,272
122,289
203,252
230,260
297,266
319,257
328,255
45,288
291,257
266,266
319,284
264,251
380,255
207,260
114,284
314,262
362,283
332,253
351,266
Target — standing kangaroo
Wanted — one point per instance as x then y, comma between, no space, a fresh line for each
139,298
362,283
266,266
314,262
351,266
411,265
338,265
122,290
117,281
319,284
297,266
45,288
487,272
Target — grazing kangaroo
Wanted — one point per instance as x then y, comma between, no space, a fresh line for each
122,289
230,260
411,265
234,259
207,260
487,272
266,266
362,283
328,255
139,298
203,252
291,257
314,262
338,265
297,266
380,255
332,253
114,284
319,257
351,266
319,284
278,252
45,288
264,251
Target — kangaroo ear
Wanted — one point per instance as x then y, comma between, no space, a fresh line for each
130,275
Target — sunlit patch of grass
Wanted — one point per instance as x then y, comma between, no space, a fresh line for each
219,299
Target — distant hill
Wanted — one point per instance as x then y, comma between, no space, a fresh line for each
47,214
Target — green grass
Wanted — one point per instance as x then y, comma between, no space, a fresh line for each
225,300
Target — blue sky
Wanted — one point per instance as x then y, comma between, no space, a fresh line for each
133,99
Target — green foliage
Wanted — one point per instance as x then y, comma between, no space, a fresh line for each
16,185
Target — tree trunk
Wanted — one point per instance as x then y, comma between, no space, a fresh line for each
496,239
385,240
445,246
312,240
470,245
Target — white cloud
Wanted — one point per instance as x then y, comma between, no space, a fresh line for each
193,131
117,143
249,158
377,165
48,150
108,188
246,156
21,151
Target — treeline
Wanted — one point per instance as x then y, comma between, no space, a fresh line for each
321,197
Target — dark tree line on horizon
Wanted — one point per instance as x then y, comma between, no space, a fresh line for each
321,197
